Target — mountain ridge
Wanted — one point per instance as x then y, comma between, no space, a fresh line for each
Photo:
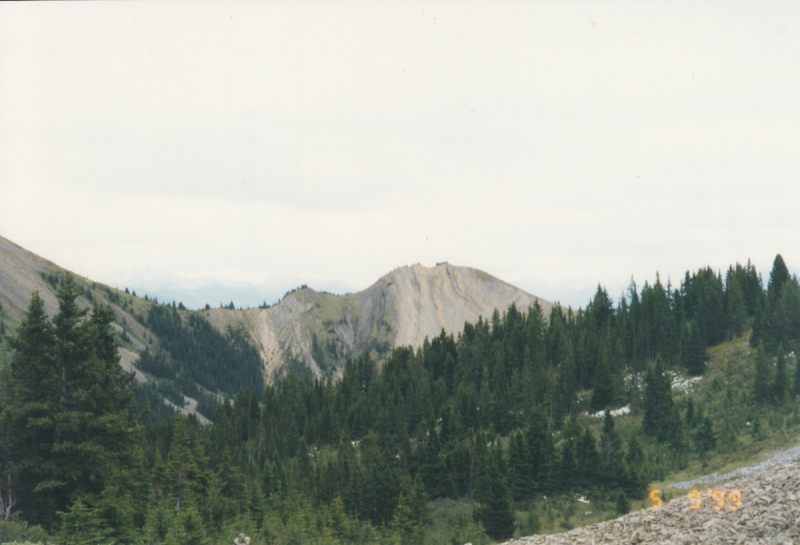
402,308
308,331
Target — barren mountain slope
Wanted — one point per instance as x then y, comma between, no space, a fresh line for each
307,331
21,274
402,308
424,300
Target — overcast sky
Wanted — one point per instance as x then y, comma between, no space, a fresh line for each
556,145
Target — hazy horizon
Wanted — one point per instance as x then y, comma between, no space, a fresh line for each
557,146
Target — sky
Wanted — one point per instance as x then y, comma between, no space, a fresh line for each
207,151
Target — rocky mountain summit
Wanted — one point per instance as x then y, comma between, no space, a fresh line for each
758,509
314,331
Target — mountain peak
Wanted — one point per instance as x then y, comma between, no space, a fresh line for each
318,331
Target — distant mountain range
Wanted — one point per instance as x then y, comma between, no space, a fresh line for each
307,331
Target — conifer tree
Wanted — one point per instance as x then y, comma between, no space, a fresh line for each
777,278
695,355
72,422
635,484
587,458
568,468
33,393
81,525
736,307
660,413
762,376
405,527
704,436
781,381
182,474
187,529
495,510
622,504
603,392
611,451
522,485
796,386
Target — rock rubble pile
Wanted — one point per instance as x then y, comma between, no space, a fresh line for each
758,509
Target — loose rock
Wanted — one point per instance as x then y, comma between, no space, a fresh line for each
768,513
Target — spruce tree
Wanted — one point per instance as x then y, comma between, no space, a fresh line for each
72,422
622,505
495,510
736,307
695,355
26,435
777,278
587,459
611,452
781,380
635,484
81,525
522,485
704,436
761,386
661,416
796,386
603,392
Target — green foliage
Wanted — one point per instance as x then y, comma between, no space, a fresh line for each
490,418
695,356
14,532
82,525
70,418
200,354
761,385
495,511
661,417
777,320
622,505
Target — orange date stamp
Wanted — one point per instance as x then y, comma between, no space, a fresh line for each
731,499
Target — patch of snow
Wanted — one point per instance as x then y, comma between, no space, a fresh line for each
616,412
682,385
583,499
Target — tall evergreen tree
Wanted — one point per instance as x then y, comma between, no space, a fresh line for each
777,278
603,392
495,510
661,416
73,420
611,453
521,472
694,355
781,380
761,387
587,459
796,385
735,305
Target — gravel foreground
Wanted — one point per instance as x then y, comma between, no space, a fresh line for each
768,513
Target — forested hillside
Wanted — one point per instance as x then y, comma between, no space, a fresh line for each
471,437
